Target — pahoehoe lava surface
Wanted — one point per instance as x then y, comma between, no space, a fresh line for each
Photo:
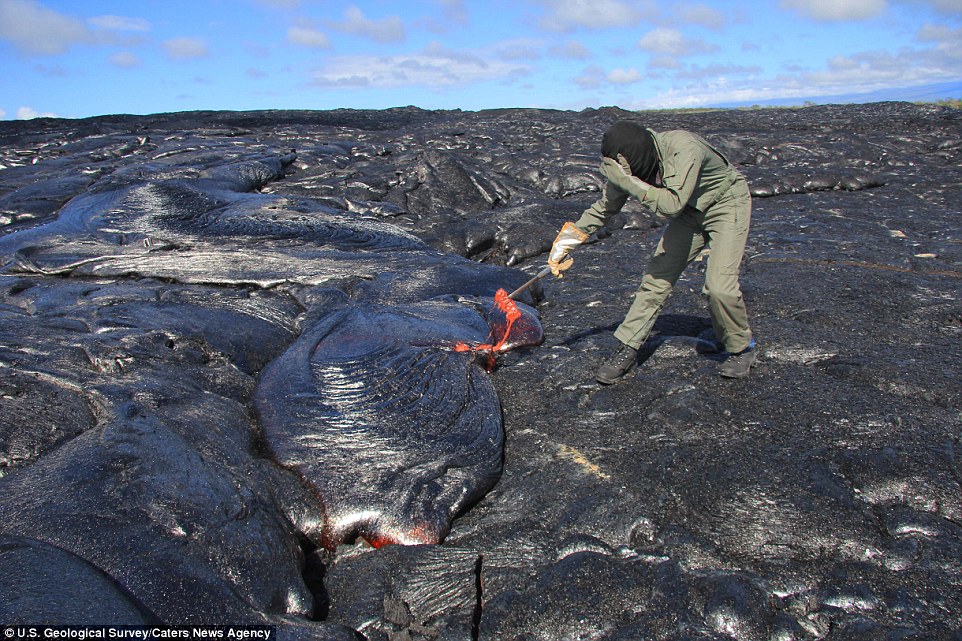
227,367
397,430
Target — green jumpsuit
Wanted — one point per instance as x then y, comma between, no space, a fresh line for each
708,204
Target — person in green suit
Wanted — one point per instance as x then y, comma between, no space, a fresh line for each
679,175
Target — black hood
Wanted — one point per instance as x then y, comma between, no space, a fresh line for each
636,144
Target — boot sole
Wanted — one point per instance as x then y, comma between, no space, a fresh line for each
735,374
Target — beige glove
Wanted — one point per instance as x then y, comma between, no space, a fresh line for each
567,239
618,173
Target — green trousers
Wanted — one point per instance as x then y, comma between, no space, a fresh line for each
723,228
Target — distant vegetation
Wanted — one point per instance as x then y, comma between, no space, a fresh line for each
955,103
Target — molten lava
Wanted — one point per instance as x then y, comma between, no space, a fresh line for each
507,306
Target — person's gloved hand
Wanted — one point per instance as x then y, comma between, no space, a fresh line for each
618,173
567,239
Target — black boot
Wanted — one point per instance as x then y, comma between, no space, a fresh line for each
619,364
739,365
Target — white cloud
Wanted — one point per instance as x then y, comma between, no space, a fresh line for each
945,37
946,56
840,76
454,11
3,114
702,14
453,14
119,23
124,60
567,15
663,40
664,62
934,59
837,10
717,72
623,76
34,29
186,48
520,49
851,74
590,77
948,6
389,29
571,50
307,37
937,60
672,42
940,6
27,113
593,77
435,67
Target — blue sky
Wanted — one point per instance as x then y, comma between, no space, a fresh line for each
78,58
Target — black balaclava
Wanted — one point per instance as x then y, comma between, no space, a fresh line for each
636,144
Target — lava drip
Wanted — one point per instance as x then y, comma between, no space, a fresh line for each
504,305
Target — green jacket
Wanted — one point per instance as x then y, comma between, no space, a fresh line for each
693,174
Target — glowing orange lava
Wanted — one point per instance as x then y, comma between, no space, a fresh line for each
418,534
511,312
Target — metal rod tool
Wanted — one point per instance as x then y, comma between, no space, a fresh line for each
544,272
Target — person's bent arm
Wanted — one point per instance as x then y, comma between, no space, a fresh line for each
682,170
610,203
